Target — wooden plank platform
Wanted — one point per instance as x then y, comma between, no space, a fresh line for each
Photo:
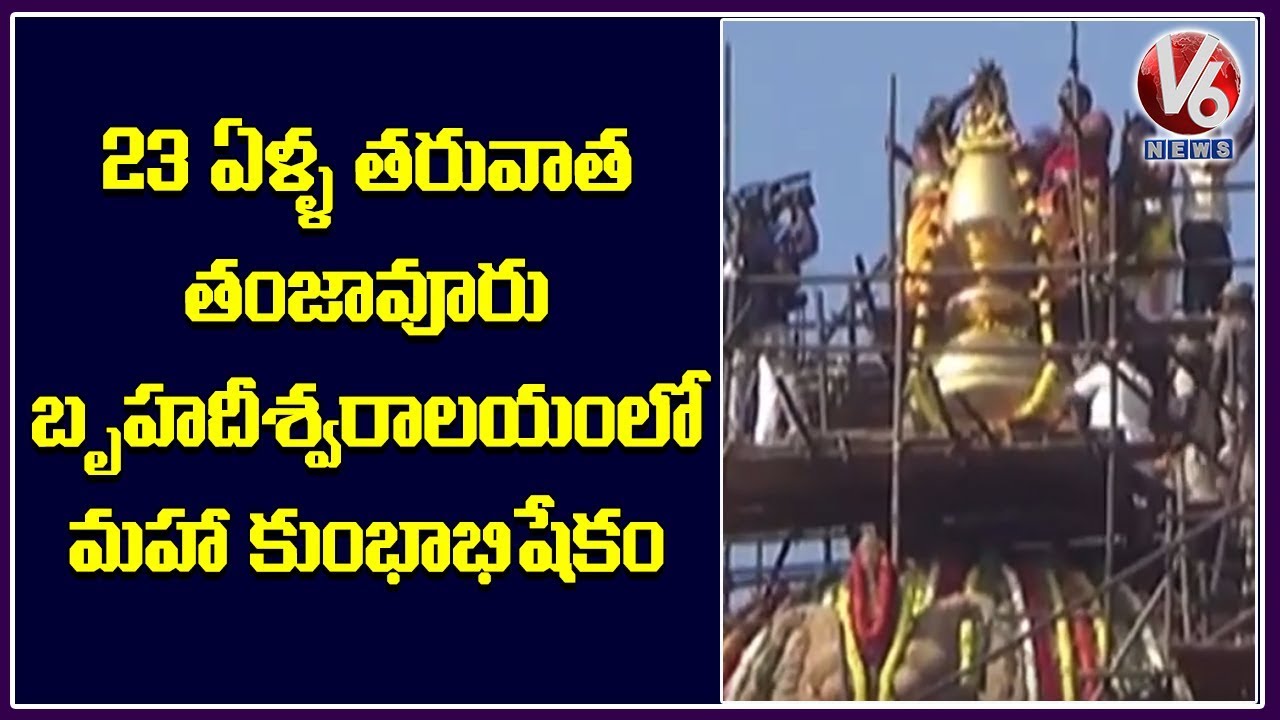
1049,486
1217,672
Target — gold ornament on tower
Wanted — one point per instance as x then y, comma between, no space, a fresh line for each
989,221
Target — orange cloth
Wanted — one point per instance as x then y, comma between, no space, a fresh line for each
923,228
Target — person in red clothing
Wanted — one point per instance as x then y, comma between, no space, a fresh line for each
1095,142
1095,145
1089,150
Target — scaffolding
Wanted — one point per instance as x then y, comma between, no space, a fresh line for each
851,464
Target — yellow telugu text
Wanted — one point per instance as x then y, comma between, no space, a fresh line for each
123,546
235,417
419,301
387,165
292,161
590,544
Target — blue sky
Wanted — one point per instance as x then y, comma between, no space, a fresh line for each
813,95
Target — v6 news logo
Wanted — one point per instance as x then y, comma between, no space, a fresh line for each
1189,82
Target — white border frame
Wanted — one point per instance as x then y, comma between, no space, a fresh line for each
1259,662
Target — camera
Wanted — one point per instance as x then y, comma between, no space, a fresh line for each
768,197
795,190
764,200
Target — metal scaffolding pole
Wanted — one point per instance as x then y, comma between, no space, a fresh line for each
823,378
726,245
1022,268
1113,316
899,333
891,144
1077,190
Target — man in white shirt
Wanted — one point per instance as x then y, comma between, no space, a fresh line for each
1206,220
1133,414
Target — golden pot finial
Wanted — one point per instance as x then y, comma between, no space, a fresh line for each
988,322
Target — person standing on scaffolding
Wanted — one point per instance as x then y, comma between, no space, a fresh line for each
1147,232
1206,222
1195,408
774,233
1086,151
933,136
1146,235
1093,387
927,161
1095,135
1231,379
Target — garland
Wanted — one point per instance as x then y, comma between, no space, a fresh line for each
1049,683
1062,628
913,590
1028,650
1102,633
839,602
734,643
1082,629
925,596
746,665
968,641
1090,630
871,625
1102,649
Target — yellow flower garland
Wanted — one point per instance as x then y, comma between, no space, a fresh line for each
1102,632
925,596
967,633
912,591
839,601
1062,627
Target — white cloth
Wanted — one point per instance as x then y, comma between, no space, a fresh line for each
1183,384
1133,414
732,268
769,403
1204,198
1234,405
772,368
1200,478
1248,474
763,369
742,378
